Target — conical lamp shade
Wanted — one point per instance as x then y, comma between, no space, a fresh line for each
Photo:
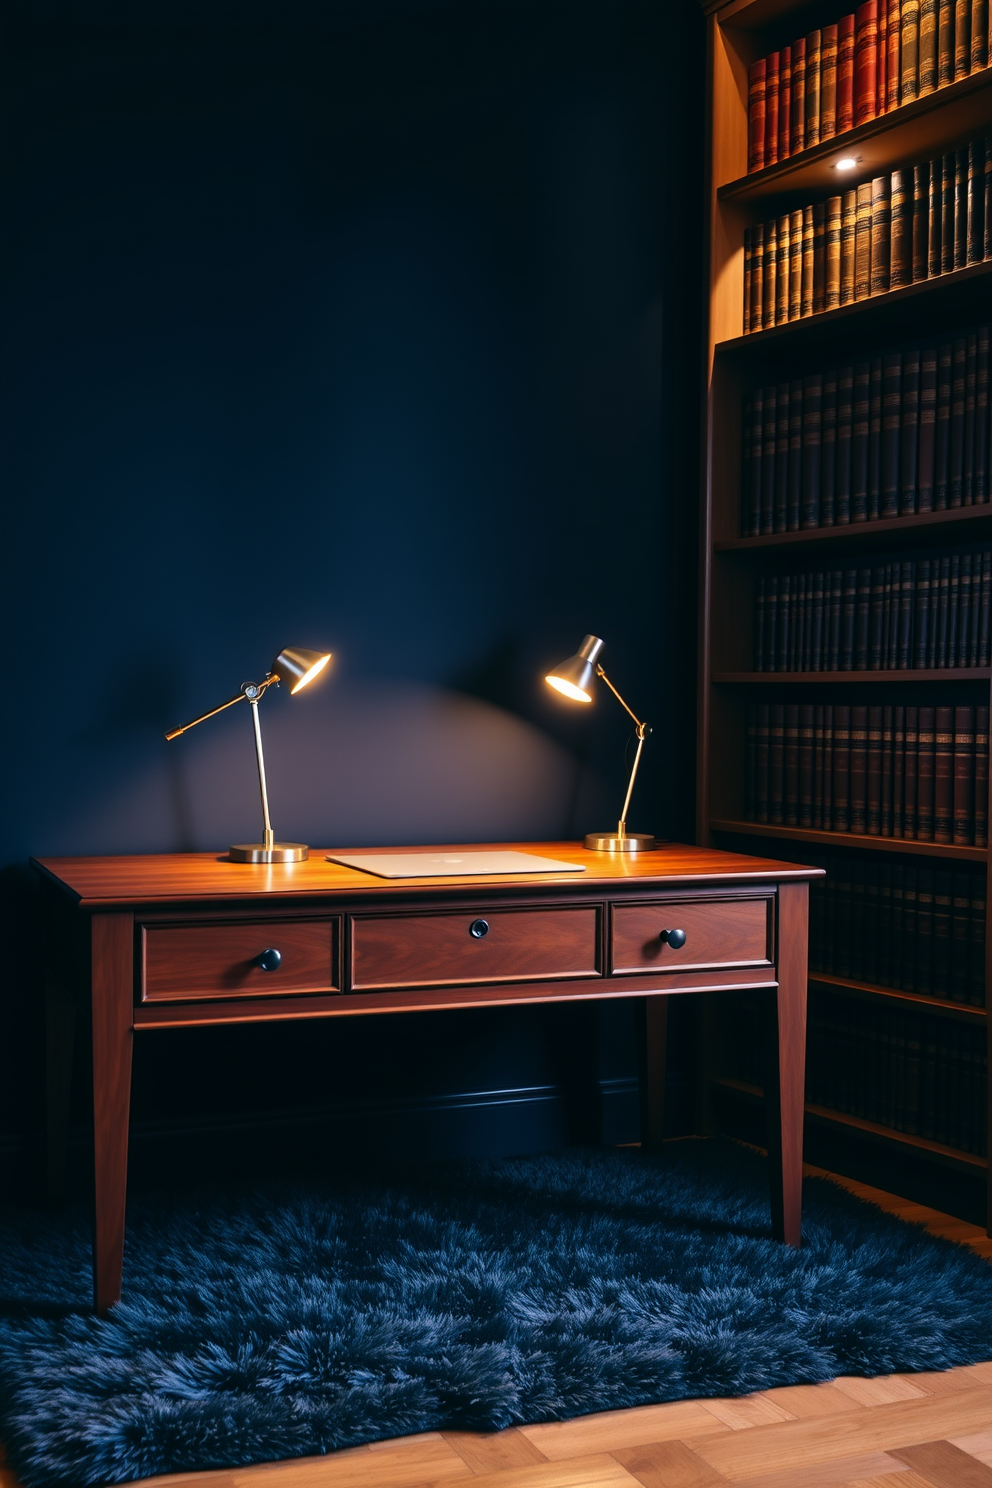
574,678
296,667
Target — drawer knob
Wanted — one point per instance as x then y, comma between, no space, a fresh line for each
269,960
478,929
674,938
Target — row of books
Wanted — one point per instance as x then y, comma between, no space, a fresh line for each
912,1072
917,773
916,223
894,616
892,435
891,921
889,52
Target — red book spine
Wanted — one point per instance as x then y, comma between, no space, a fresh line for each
756,115
892,67
964,776
771,109
784,101
865,62
797,113
845,73
943,776
882,55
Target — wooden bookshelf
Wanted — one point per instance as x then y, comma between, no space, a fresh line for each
740,31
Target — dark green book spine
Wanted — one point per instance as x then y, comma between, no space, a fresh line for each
793,509
769,443
875,439
781,457
968,458
845,431
859,442
981,483
928,423
910,431
891,422
811,451
956,471
828,451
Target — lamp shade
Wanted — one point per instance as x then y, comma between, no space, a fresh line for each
297,667
574,678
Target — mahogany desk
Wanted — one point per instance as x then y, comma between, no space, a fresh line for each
187,939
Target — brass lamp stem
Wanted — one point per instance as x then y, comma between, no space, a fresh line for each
642,732
625,706
268,836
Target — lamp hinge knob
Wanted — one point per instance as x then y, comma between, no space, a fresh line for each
269,960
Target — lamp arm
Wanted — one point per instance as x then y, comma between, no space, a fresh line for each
626,707
643,729
258,689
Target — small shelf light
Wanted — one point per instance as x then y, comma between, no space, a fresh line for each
847,162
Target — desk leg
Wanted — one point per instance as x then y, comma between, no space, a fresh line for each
112,973
652,1038
785,1079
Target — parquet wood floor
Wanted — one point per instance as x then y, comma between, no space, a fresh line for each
898,1431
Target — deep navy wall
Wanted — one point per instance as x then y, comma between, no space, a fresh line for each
370,327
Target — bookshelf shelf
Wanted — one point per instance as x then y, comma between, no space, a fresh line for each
946,308
852,839
926,127
841,679
870,992
935,1150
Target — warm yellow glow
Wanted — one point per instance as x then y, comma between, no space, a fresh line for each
317,667
569,689
846,162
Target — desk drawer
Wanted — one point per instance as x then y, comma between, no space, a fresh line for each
721,932
516,945
180,962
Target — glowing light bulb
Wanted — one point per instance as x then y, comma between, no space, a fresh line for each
846,162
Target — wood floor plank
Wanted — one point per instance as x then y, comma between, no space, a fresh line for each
494,1451
977,1444
599,1470
906,1479
408,1464
945,1465
837,1474
608,1430
881,1390
669,1465
804,1401
950,1381
763,1449
745,1411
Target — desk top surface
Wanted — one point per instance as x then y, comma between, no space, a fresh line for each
102,883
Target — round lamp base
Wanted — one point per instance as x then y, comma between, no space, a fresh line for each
630,842
279,852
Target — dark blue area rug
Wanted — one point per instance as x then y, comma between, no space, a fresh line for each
287,1320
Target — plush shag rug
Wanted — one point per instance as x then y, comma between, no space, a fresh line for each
291,1319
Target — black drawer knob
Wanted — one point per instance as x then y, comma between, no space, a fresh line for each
478,929
674,938
270,960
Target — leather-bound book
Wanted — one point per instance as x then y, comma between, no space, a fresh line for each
862,243
897,772
910,49
769,280
981,481
893,60
818,293
755,315
859,442
942,988
834,606
902,223
873,812
790,755
956,461
962,38
979,34
985,611
943,776
771,625
776,764
976,958
881,234
797,118
924,774
783,257
845,73
848,615
812,416
891,430
781,458
771,108
928,47
968,457
859,769
982,777
911,757
769,444
882,55
907,584
962,656
812,129
953,610
828,451
942,433
747,468
963,812
845,434
848,241
833,210
945,42
908,467
921,627
934,220
751,764
943,658
827,785
748,266
865,61
828,83
875,439
975,210
928,424
988,196
762,753
946,214
806,723
862,616
960,208
757,453
796,264
818,616
840,812
793,512
960,916
756,115
784,102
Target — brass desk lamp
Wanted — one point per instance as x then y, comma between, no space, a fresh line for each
574,679
296,668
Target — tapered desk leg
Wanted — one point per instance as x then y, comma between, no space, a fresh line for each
786,1072
112,973
652,1039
